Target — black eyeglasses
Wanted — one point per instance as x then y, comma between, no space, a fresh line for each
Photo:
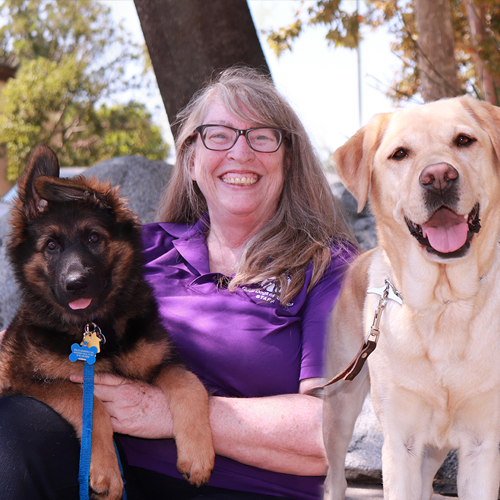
223,138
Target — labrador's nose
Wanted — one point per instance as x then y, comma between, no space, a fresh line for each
438,177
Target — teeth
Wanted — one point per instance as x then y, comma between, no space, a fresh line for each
240,181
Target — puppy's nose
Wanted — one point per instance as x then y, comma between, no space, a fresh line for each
438,177
76,282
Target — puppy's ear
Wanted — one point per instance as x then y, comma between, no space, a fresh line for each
76,189
488,116
42,162
354,160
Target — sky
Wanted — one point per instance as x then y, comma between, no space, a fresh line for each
320,81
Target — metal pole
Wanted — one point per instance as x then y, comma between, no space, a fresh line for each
358,52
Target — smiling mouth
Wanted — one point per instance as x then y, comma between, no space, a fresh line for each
240,181
447,234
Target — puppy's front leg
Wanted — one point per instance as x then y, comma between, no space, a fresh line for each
188,402
66,398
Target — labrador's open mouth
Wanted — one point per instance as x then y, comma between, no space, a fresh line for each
447,234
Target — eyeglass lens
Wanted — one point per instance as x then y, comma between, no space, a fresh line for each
220,138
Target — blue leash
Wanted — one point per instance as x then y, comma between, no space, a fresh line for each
86,443
87,354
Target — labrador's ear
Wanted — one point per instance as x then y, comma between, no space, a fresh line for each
488,116
354,160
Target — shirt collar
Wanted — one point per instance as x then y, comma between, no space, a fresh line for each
191,243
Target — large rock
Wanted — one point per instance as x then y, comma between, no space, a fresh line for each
141,181
361,224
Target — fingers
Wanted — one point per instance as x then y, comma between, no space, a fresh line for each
125,394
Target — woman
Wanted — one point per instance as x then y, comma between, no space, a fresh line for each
245,269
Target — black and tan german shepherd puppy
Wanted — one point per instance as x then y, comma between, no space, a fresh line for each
76,253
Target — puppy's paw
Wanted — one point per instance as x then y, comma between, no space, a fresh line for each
106,479
195,459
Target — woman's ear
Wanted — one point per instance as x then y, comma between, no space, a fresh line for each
192,169
191,153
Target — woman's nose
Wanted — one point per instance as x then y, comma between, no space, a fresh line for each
241,150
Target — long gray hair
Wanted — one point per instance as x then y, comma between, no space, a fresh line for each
307,220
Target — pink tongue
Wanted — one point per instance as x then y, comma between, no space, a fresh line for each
80,304
446,231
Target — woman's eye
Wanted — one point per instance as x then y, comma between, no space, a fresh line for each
263,138
217,136
399,154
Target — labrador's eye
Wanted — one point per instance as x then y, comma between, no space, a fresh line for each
399,154
464,140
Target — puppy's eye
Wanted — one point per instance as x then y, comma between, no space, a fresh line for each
399,154
464,140
94,237
51,246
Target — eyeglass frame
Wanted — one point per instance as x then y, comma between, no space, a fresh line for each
239,133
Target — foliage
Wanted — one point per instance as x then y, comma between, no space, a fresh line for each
345,28
72,59
124,130
53,102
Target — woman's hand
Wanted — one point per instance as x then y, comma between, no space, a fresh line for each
136,408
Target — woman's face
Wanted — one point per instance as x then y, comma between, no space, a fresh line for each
240,182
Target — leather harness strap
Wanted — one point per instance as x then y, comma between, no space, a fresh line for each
388,292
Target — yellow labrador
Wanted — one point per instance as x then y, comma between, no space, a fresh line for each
433,177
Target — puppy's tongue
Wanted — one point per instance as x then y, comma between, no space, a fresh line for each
446,231
80,304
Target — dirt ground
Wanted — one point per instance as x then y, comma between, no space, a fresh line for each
374,493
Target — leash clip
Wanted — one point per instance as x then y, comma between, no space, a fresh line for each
387,292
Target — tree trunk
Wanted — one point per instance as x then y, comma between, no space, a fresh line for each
437,65
189,39
489,87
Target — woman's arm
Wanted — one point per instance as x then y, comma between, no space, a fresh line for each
279,433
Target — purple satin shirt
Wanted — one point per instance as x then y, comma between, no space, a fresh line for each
240,344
